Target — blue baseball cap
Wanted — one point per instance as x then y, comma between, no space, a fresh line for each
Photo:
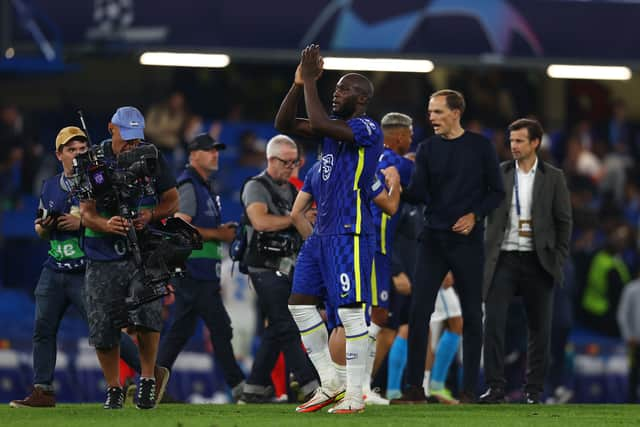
130,121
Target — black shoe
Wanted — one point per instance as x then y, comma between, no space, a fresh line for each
146,393
115,398
255,398
492,395
467,398
432,399
267,395
531,398
411,396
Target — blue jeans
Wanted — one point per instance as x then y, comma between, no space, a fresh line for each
54,293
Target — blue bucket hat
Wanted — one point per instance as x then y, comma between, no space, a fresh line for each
130,121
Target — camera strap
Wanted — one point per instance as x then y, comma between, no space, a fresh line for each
278,200
249,246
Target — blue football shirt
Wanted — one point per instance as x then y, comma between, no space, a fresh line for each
311,183
385,224
347,180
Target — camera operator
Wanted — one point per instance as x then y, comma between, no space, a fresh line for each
61,281
112,270
268,199
198,293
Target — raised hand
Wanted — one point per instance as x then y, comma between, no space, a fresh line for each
311,63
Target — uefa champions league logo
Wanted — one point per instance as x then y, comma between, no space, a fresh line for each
327,166
114,20
113,15
99,178
498,20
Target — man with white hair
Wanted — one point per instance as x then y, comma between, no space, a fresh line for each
272,247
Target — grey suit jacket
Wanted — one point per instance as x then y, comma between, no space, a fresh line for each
551,215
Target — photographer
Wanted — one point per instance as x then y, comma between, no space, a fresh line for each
268,199
61,281
112,270
198,293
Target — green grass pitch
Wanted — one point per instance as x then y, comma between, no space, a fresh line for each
284,415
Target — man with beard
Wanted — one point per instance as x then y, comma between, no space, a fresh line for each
351,147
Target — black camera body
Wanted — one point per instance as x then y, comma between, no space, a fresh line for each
267,249
164,251
114,183
277,244
44,213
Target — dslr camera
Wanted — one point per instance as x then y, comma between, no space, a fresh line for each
43,214
277,244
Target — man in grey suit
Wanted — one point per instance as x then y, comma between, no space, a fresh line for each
526,243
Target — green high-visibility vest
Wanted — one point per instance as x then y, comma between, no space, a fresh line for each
595,299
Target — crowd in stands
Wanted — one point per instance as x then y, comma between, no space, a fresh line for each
600,160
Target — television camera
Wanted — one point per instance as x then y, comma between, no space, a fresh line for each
117,184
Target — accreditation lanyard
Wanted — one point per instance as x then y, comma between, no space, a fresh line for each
515,186
524,225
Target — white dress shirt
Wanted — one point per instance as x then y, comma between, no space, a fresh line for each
513,240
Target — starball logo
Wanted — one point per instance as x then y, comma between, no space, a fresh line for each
498,20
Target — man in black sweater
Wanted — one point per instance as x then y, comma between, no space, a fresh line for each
457,176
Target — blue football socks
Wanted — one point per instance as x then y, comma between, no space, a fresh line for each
446,351
396,363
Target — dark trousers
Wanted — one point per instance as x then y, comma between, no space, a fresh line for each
561,323
280,334
201,299
634,372
54,293
518,273
438,252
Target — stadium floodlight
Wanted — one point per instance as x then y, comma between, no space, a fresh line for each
592,72
378,64
175,59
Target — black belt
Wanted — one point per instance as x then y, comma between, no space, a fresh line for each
518,253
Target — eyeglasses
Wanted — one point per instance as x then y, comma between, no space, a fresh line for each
288,163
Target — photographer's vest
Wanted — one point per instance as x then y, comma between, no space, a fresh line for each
100,246
595,300
204,264
64,253
279,206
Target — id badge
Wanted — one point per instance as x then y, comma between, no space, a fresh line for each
525,228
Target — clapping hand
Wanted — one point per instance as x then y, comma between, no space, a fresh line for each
311,63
